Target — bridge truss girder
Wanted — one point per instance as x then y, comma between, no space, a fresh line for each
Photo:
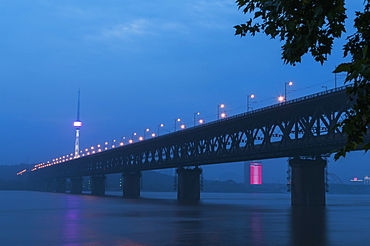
297,128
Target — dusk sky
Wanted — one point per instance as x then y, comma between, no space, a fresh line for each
139,64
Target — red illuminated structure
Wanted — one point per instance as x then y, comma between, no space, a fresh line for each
255,173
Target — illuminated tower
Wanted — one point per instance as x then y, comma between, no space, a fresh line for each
255,174
77,124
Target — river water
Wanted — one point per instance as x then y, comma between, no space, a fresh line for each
41,218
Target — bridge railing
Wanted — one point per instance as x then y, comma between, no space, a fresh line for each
277,105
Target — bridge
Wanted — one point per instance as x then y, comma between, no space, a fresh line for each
301,129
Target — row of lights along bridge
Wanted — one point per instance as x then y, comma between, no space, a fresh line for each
221,113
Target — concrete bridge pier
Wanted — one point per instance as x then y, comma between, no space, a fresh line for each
308,182
60,185
41,185
48,186
131,184
188,187
76,185
98,185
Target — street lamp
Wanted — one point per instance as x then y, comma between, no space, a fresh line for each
249,96
285,90
176,120
132,137
145,131
159,126
182,126
122,141
201,121
221,106
281,99
195,115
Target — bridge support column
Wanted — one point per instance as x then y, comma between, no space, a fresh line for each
188,187
76,185
98,185
49,186
60,185
308,182
42,185
131,184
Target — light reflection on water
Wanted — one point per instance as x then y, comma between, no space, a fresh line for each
37,218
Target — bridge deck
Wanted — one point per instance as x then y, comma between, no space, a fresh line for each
300,127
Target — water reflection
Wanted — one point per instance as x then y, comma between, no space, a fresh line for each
189,226
309,226
71,217
256,228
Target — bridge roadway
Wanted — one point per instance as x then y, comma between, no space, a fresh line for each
301,129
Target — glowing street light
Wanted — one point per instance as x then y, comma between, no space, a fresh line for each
221,106
287,83
281,99
182,126
122,141
159,126
176,120
195,116
145,131
248,97
201,121
223,115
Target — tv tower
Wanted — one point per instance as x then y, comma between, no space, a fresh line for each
77,124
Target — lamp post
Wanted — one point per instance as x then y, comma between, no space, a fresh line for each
159,126
248,97
221,106
195,116
132,137
122,141
145,131
176,120
285,90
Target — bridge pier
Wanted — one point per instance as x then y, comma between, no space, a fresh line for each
60,185
308,182
49,186
188,187
98,185
131,184
76,185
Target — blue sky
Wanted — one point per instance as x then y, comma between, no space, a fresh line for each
138,64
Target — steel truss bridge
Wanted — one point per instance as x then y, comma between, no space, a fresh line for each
300,127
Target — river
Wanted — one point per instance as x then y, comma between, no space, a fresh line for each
41,218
